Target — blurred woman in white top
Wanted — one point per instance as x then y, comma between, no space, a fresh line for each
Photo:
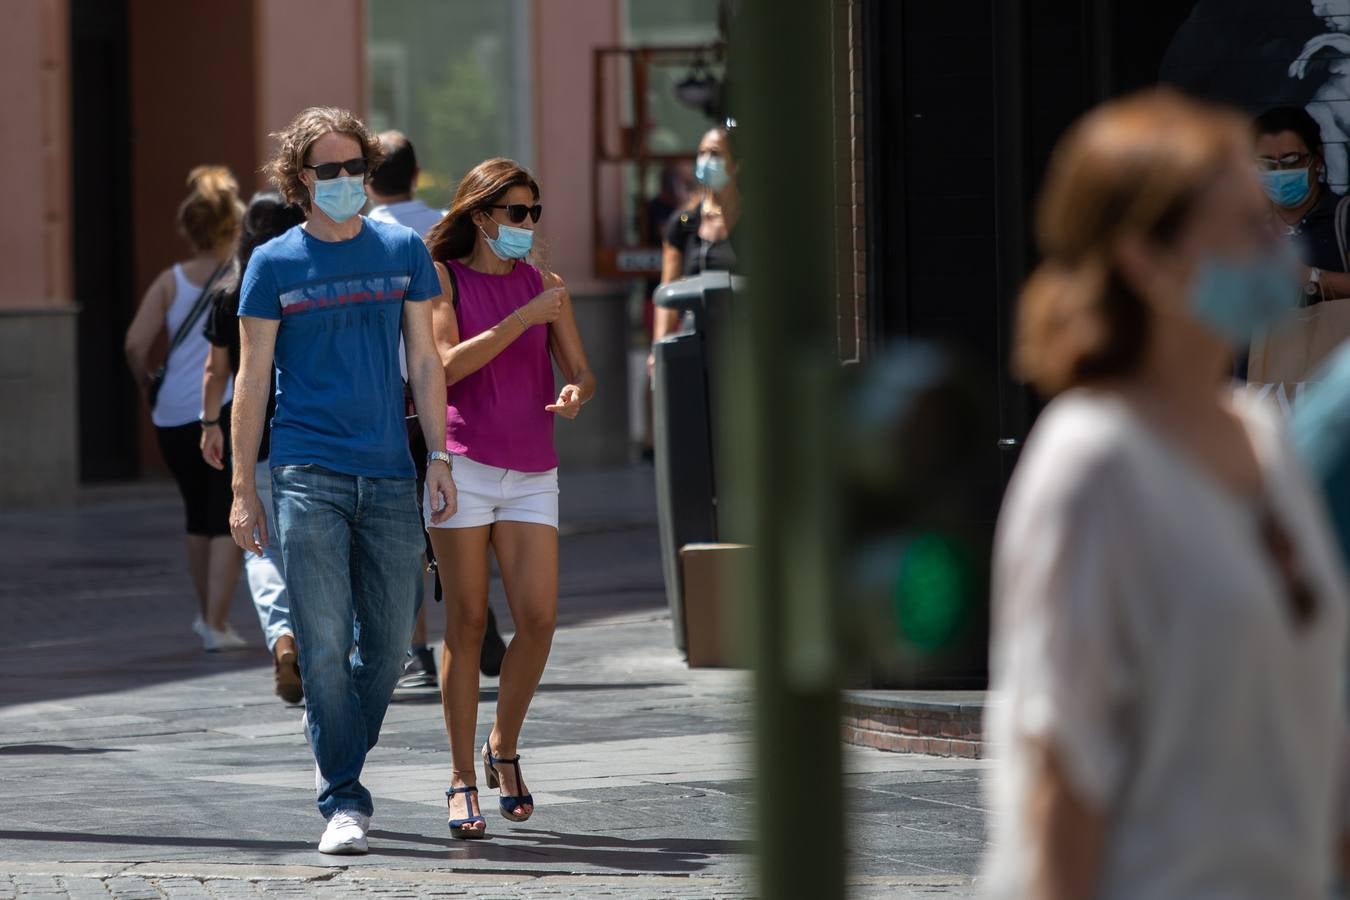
177,301
1169,610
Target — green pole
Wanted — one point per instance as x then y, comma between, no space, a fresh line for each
776,429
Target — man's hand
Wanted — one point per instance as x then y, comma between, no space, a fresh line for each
248,522
441,491
569,402
213,446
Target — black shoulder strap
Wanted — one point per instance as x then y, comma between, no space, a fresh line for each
454,284
198,307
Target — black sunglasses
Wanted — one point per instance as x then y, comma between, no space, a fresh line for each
517,212
325,171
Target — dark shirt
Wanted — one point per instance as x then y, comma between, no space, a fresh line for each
699,255
222,330
1315,235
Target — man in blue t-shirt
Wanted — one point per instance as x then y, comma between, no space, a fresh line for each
325,303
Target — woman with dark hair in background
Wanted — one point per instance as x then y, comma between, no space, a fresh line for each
1291,160
500,325
175,306
1169,636
268,216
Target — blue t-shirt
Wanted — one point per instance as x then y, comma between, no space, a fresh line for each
339,393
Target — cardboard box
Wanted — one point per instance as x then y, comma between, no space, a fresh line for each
711,574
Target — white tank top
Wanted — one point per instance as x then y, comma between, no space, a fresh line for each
180,397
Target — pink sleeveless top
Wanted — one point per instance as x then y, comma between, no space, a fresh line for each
496,416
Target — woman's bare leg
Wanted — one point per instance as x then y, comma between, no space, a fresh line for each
463,569
527,555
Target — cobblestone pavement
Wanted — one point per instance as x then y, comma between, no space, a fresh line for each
148,882
135,766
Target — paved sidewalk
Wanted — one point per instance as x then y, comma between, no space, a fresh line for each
136,766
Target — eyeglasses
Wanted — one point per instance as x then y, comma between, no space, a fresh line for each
325,171
517,212
1288,161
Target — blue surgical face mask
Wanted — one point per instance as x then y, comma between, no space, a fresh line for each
1287,187
340,198
1237,299
511,242
711,171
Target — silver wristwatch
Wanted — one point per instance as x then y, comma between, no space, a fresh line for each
1313,286
444,457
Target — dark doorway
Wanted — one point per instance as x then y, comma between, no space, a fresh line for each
102,235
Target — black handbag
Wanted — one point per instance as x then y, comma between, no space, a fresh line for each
156,380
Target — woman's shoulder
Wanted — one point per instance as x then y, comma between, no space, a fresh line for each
1079,446
683,223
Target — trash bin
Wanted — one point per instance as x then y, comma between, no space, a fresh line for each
684,387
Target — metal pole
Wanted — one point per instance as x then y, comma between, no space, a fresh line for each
776,431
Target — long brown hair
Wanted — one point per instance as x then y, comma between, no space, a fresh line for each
485,184
1134,166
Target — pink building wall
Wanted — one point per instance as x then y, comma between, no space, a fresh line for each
565,34
35,230
297,43
38,437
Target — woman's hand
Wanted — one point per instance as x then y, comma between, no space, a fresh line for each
544,309
213,446
569,402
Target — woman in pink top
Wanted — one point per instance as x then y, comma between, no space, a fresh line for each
500,326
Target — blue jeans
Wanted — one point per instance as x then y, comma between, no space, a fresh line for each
265,581
351,548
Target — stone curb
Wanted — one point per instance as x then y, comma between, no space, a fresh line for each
916,722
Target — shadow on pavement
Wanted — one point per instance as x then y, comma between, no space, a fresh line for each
489,694
536,847
55,750
152,840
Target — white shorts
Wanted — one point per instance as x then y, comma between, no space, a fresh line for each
488,494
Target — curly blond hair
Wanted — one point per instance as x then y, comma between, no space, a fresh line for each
294,141
209,216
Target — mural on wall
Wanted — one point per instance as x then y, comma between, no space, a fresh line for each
1257,54
1325,61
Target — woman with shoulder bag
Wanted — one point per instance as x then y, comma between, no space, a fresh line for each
176,306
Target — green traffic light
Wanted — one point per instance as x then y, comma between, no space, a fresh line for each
931,593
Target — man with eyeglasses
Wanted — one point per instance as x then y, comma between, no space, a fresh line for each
1289,156
326,303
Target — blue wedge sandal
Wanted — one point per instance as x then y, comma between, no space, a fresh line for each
494,780
460,827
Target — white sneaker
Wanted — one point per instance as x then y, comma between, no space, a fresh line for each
214,641
199,626
346,833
